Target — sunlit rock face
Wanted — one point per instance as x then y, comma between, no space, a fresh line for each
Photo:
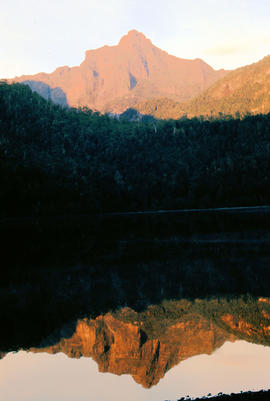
113,78
146,345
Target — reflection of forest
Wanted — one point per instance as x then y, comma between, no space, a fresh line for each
147,344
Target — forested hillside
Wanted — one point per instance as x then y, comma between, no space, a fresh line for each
162,108
60,160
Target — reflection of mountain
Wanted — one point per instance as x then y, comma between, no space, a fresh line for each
125,348
146,345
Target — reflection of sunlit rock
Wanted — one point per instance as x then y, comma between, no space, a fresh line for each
146,345
119,347
244,327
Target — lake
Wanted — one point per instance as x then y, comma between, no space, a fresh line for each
159,316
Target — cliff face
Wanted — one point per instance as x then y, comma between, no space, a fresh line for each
113,78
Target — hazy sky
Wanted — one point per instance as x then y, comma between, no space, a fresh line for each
41,35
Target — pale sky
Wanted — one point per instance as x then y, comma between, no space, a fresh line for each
43,35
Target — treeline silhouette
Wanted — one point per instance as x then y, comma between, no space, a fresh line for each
55,159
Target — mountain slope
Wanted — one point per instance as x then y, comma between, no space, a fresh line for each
113,78
244,90
162,108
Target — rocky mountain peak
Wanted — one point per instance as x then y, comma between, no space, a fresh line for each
133,36
135,40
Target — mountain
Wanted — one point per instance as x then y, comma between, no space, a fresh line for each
113,78
243,91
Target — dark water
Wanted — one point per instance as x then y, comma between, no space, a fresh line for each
146,301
